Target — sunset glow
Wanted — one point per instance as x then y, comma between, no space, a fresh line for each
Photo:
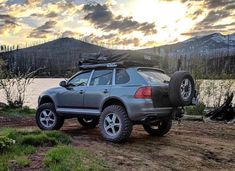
117,23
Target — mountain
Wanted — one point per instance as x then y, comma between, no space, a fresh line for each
213,45
65,45
57,56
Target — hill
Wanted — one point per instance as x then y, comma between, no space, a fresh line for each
57,56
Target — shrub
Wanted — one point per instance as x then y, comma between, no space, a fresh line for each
196,110
5,143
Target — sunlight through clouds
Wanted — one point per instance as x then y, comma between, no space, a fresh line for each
132,23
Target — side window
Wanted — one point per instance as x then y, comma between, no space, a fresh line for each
122,77
80,79
102,77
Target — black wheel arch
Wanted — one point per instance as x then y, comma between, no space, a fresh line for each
45,99
113,101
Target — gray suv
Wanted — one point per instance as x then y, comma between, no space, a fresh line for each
116,98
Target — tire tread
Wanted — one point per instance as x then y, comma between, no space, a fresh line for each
127,124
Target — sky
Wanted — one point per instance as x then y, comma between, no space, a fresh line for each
117,23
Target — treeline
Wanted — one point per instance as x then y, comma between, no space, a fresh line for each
52,66
201,67
60,58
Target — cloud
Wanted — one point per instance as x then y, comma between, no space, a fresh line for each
51,15
7,23
211,22
98,14
44,30
102,17
127,25
33,2
69,34
196,14
214,16
46,15
127,41
212,4
112,40
230,7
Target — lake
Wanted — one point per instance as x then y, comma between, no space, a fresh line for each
35,88
41,84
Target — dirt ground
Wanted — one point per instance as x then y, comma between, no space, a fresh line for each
188,146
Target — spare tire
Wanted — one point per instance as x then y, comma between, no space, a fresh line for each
181,89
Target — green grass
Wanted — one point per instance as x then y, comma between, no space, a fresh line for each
16,156
39,138
195,110
26,143
68,158
17,112
60,157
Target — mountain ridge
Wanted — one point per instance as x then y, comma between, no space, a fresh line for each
197,46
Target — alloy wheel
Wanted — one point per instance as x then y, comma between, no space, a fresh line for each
47,118
112,125
185,89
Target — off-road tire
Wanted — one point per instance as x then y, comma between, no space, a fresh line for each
126,124
175,89
163,128
59,120
92,124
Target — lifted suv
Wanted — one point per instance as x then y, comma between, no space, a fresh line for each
116,98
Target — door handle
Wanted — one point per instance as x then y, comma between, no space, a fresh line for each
105,91
81,91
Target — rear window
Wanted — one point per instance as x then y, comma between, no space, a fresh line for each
154,76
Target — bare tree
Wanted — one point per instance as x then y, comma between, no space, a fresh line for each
14,85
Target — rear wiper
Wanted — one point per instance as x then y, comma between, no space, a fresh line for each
165,81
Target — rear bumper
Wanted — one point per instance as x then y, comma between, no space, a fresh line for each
140,109
162,112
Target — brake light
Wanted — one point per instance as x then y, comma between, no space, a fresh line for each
143,93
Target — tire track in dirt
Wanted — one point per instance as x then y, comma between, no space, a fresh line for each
189,146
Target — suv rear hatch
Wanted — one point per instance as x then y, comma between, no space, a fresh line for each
159,82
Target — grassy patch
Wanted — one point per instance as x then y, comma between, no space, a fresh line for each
39,138
26,142
17,112
16,156
195,110
66,158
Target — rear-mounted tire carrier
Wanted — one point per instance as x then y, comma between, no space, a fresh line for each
181,89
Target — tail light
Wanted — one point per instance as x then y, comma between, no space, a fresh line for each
143,93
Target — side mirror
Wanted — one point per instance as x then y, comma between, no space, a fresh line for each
63,84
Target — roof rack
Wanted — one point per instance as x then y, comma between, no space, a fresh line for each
124,64
101,65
